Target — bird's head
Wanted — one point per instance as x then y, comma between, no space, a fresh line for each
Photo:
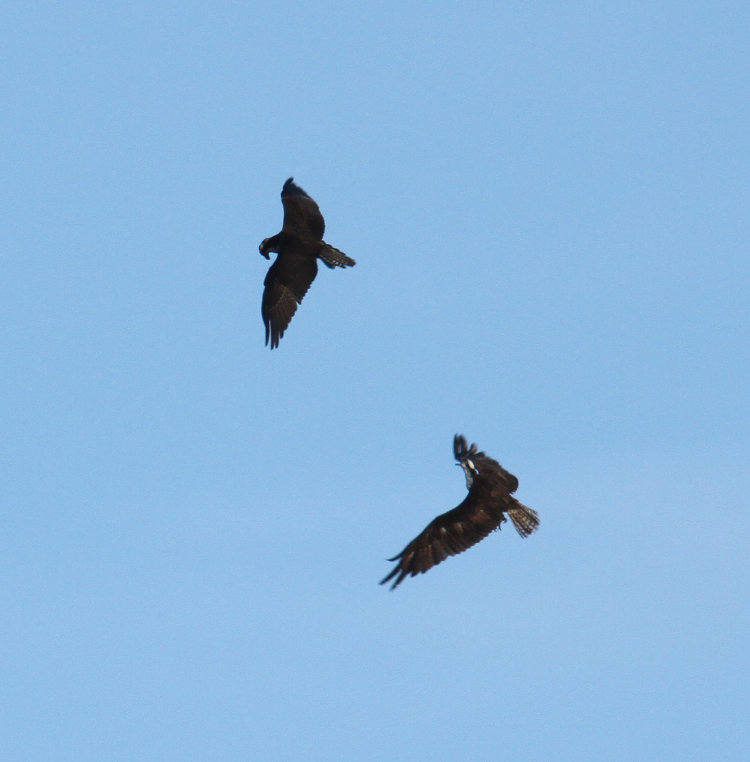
464,455
470,471
265,248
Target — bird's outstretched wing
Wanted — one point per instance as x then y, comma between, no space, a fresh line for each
449,534
286,283
302,216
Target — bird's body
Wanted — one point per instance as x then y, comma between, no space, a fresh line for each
483,510
299,245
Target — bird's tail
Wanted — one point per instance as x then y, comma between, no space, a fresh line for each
332,257
524,519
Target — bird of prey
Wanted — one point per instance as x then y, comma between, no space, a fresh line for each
483,510
299,245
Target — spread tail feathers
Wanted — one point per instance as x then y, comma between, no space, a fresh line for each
332,257
524,519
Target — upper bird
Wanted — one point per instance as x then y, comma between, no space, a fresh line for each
489,499
299,244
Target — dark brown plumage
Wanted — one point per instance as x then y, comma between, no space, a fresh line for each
484,509
299,245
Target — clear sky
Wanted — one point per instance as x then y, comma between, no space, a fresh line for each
549,205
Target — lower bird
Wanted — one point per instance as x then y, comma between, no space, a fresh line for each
483,510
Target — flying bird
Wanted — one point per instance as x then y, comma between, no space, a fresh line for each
483,510
299,245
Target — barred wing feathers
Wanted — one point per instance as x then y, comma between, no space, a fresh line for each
449,534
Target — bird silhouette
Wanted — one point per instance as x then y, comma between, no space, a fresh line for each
299,245
483,510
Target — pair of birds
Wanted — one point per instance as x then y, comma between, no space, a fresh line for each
489,501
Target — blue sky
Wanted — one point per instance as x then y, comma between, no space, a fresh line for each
548,205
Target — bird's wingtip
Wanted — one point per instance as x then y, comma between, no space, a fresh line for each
459,446
292,189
